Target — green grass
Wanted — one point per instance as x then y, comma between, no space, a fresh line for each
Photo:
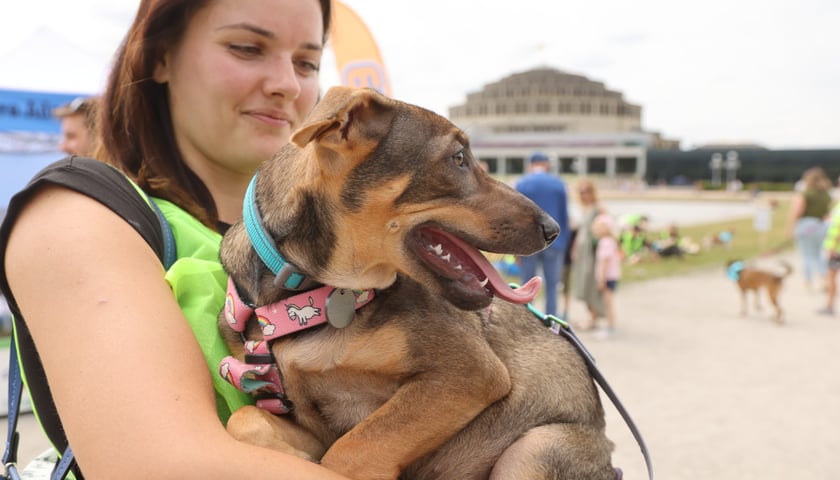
746,244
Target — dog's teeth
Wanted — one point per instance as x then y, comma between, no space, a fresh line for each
446,258
485,282
458,267
438,249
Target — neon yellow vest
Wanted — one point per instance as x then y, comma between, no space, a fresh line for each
199,284
831,243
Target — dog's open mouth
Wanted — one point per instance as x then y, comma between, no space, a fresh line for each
467,269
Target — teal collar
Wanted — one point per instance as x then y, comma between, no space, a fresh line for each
286,274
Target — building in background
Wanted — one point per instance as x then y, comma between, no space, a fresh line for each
584,127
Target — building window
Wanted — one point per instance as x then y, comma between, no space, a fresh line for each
543,107
501,108
586,108
515,165
624,165
565,164
596,165
492,164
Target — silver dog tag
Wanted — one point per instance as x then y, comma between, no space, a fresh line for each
341,307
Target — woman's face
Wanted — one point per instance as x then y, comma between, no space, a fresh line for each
586,193
243,77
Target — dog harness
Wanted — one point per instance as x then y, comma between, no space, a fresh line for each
318,304
734,270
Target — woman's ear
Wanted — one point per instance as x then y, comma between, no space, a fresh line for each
161,73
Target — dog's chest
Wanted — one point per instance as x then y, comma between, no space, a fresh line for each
338,377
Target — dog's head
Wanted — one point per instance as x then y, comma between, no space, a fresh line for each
371,187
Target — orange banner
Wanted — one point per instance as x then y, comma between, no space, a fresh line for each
357,56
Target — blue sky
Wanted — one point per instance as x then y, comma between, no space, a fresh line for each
713,71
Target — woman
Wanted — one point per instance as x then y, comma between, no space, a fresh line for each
201,93
806,224
583,283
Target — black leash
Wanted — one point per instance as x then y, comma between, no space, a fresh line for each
562,328
13,436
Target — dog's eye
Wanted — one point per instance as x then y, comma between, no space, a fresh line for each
459,159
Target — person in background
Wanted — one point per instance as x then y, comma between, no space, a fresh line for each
548,191
830,251
566,287
78,126
806,225
670,243
5,317
607,268
121,356
633,237
584,286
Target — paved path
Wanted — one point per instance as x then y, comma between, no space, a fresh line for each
716,396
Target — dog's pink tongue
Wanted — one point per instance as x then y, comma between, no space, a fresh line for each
524,294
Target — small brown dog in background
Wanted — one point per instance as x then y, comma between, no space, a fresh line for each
751,278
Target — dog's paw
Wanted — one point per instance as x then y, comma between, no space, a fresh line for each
353,468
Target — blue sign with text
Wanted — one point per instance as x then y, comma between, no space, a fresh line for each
24,111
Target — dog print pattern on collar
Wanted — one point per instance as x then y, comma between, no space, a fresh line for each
326,304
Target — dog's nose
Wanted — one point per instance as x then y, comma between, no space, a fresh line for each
550,228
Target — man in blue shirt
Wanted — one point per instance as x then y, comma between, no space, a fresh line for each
548,191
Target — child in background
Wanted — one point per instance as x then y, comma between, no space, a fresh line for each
607,268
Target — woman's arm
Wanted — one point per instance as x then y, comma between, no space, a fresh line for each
797,208
128,378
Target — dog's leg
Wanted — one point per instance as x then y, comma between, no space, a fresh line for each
420,417
743,302
556,452
773,293
256,426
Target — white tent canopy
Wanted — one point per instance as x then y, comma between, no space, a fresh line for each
49,62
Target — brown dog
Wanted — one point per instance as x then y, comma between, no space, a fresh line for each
440,376
750,278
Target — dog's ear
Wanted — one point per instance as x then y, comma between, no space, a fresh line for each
345,118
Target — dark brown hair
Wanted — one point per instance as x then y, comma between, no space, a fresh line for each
136,124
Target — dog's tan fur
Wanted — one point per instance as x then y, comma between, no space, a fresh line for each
434,379
754,279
